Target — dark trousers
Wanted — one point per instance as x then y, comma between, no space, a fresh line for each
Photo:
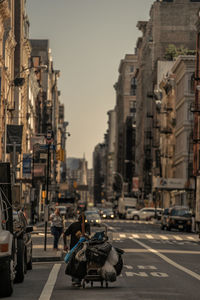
56,232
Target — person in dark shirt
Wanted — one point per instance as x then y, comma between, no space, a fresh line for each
76,230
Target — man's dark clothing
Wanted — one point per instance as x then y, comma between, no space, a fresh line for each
73,229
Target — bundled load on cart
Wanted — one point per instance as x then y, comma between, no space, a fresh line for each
94,259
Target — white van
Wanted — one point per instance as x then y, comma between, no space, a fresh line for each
146,213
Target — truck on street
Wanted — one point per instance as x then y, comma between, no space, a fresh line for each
124,204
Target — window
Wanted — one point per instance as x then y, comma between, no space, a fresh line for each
133,87
191,83
131,69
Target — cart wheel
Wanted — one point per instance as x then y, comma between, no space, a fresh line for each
84,284
91,283
101,283
107,284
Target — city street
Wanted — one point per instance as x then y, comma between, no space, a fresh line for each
157,265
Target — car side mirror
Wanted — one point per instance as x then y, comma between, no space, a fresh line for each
29,229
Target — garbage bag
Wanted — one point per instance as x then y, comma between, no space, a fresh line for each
108,272
76,268
119,265
98,253
113,257
68,255
81,254
98,238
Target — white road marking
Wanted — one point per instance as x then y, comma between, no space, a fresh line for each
42,246
149,236
135,236
147,267
163,237
122,235
162,251
141,274
178,238
168,260
159,274
48,288
128,267
190,237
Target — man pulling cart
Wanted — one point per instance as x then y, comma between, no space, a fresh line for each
92,259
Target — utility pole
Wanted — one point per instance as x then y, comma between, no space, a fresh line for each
49,140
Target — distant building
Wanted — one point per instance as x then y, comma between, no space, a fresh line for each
78,178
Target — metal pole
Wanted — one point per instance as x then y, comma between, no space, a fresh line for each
14,161
5,130
32,194
46,199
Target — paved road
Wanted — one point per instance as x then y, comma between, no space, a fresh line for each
157,265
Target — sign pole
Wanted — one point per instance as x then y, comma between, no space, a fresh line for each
46,199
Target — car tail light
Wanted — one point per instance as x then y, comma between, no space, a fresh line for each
3,247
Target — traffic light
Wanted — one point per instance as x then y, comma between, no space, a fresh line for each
62,154
58,154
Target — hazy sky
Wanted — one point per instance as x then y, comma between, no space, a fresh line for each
88,39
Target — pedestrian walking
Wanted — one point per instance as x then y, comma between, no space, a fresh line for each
56,227
75,231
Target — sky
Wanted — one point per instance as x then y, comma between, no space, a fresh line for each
88,39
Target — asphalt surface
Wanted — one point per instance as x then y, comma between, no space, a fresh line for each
157,265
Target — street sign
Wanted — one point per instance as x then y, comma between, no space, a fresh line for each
27,159
45,146
43,155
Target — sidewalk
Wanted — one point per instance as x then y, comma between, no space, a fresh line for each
39,254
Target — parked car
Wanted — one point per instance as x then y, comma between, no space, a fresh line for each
93,218
22,232
130,213
108,214
146,213
179,217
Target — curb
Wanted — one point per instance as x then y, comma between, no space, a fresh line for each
47,259
59,257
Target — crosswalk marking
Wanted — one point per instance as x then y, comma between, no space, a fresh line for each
149,236
163,237
135,236
122,236
190,238
178,238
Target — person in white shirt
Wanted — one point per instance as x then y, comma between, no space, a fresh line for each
56,227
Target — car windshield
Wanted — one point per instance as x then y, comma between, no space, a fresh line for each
108,211
181,212
94,216
89,213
